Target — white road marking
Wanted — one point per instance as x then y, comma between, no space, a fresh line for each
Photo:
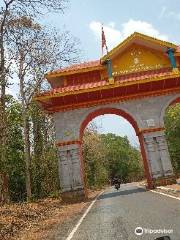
167,189
82,218
90,206
177,198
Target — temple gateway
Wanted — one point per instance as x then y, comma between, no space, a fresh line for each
137,80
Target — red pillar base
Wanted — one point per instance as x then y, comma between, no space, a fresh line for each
74,196
150,185
163,181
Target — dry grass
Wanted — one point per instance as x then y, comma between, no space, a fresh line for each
36,220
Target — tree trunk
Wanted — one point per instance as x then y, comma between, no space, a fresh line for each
3,123
25,117
4,193
38,150
27,155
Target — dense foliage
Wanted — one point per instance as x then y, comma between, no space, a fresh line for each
44,167
28,50
172,123
109,155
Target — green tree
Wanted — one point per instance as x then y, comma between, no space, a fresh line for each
10,9
44,168
45,178
123,160
95,159
172,124
14,164
109,155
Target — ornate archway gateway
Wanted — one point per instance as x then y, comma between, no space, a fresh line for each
138,79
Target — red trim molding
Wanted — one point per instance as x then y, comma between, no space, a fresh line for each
60,144
149,130
145,163
108,110
61,108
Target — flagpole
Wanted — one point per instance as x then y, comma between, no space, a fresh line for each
108,61
103,40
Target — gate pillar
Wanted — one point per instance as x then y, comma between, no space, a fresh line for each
71,171
158,158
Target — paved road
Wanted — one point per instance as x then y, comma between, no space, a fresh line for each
116,214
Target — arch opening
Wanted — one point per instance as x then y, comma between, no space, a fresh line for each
103,111
120,113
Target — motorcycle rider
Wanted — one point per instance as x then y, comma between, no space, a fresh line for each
116,180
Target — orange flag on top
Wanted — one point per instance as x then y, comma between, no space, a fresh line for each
104,41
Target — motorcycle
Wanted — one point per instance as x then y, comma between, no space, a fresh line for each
117,186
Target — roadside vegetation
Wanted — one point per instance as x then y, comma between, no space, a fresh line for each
28,49
109,155
172,125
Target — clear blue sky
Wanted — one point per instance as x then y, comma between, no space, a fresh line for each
158,18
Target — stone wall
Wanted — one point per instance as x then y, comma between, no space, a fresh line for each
148,114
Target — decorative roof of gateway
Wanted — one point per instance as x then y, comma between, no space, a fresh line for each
126,79
136,36
96,65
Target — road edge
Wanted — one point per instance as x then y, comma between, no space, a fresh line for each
70,236
164,194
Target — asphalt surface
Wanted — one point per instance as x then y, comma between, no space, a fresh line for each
116,214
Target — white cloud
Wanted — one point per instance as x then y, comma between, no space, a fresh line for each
142,27
115,36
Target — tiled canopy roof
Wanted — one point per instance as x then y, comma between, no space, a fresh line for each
131,77
95,64
75,67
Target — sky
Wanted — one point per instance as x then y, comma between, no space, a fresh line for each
158,18
111,123
120,18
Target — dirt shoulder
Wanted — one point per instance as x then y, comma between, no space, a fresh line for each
173,190
45,219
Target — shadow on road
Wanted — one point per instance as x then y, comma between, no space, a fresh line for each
121,193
